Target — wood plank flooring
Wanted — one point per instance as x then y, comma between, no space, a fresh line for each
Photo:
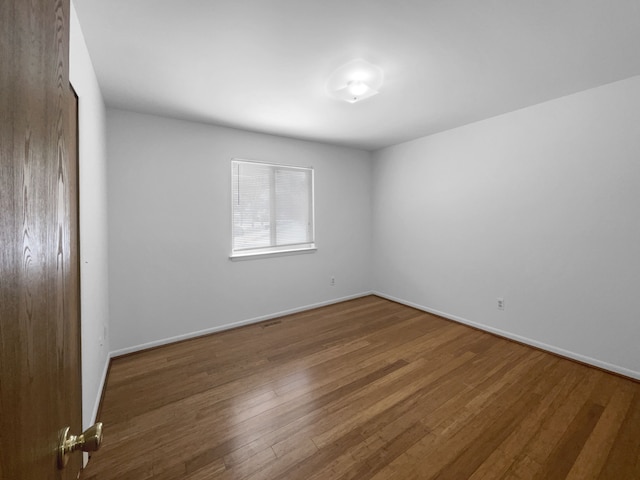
365,389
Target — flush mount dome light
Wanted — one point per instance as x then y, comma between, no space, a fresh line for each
355,81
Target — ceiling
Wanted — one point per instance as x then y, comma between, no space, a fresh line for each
263,65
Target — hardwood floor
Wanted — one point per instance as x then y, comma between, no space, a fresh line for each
366,389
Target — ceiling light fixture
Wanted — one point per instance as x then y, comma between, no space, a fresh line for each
357,88
355,81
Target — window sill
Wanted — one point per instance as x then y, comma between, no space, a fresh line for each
272,253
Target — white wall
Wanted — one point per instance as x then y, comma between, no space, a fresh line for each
93,222
540,206
169,219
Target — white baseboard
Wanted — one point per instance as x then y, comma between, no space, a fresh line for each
528,341
228,326
96,404
101,385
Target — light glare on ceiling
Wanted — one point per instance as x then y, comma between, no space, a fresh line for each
355,81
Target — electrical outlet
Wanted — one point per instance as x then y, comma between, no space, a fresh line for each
332,282
500,303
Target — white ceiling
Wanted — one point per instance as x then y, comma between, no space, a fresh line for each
262,65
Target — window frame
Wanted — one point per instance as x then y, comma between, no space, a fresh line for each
277,250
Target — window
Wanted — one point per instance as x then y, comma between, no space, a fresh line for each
272,208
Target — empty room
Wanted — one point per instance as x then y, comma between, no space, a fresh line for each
320,239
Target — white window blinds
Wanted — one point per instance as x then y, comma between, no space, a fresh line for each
272,208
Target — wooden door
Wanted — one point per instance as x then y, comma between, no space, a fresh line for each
39,269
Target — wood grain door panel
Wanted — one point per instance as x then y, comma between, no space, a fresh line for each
39,270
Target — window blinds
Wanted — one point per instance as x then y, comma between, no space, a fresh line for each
272,207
